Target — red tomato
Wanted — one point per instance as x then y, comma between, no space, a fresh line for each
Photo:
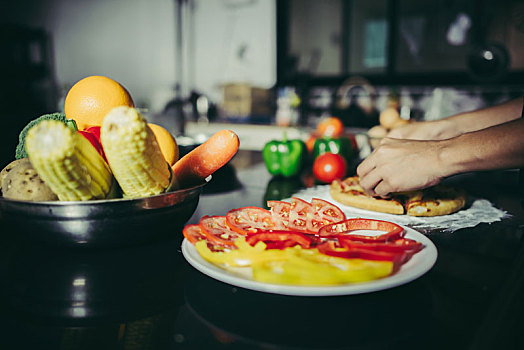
280,213
298,215
249,219
323,213
329,166
302,216
193,233
216,230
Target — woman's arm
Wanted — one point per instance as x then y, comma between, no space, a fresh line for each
461,123
403,165
496,147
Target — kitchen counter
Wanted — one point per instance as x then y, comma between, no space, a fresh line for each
252,137
150,297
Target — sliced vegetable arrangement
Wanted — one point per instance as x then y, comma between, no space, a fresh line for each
305,243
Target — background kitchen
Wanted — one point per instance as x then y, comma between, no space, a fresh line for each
256,66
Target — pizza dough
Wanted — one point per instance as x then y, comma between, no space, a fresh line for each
434,201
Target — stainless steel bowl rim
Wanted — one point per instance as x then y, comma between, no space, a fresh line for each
99,209
113,200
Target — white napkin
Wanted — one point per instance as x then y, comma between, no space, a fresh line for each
475,212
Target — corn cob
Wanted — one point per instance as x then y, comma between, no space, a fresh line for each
133,153
68,163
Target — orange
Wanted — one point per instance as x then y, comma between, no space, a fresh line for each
167,143
331,127
91,98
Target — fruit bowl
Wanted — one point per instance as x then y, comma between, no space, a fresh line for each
100,223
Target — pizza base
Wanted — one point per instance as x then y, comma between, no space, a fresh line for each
374,204
442,201
436,201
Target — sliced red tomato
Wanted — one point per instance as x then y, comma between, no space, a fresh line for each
323,213
193,233
298,214
279,239
280,213
216,230
249,219
343,228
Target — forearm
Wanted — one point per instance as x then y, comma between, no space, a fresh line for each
458,124
487,117
497,147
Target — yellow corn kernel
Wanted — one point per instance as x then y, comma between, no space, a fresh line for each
67,162
133,153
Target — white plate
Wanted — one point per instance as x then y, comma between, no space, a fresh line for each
419,264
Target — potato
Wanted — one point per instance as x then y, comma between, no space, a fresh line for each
389,117
399,123
378,132
21,182
8,168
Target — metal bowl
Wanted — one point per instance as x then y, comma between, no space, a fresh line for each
100,223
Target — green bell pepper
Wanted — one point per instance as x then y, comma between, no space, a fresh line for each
340,145
285,157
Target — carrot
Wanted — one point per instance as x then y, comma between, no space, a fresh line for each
205,159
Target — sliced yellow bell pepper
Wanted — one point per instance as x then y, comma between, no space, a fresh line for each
309,267
245,255
296,265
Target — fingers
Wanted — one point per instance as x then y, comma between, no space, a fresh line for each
369,182
371,171
383,189
389,140
375,185
396,133
390,168
369,163
364,171
365,167
380,173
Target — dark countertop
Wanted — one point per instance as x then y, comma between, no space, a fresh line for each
150,297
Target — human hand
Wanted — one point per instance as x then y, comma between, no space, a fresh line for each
429,130
401,165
